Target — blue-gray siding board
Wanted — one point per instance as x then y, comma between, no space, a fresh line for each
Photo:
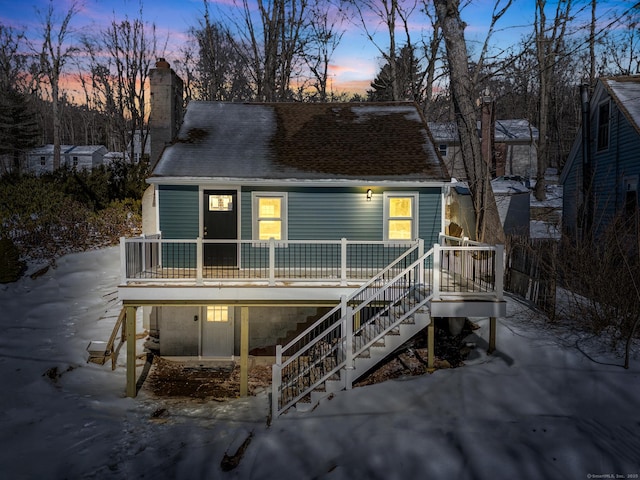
610,166
178,209
332,214
312,214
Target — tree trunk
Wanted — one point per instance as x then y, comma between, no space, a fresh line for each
488,226
55,104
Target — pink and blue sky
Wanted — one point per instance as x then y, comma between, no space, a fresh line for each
354,64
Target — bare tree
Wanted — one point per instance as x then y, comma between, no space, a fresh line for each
121,57
431,46
389,13
271,43
54,54
549,41
326,34
621,46
463,91
214,69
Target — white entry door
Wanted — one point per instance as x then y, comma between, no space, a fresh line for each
217,331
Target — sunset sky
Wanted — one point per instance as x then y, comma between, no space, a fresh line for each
355,62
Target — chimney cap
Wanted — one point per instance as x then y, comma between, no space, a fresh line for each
162,63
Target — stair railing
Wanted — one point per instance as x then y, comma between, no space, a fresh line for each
327,346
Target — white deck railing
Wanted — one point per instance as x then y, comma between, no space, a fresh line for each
158,260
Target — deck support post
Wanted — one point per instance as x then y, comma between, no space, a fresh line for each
130,328
492,335
244,351
431,333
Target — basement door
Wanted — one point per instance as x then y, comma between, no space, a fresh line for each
217,331
220,223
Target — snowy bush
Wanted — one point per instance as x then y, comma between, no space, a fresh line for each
49,216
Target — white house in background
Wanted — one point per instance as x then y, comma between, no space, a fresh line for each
138,152
512,199
40,159
112,157
515,149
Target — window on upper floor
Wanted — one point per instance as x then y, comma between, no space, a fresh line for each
269,216
400,216
43,161
443,149
603,126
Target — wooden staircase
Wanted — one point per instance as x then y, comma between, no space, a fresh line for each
379,343
100,352
460,278
355,336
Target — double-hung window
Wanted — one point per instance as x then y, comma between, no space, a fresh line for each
400,216
269,216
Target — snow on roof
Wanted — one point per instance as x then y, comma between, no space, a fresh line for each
306,141
517,129
86,149
48,149
500,185
506,130
66,149
626,92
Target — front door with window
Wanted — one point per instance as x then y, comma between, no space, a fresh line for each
220,223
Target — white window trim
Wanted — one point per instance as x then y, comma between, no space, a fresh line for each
414,225
255,196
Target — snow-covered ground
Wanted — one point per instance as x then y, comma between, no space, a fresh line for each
537,409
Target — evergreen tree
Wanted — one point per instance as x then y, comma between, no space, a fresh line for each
19,129
410,76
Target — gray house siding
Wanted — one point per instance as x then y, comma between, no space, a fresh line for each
610,166
571,196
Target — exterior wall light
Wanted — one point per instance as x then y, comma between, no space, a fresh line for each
369,195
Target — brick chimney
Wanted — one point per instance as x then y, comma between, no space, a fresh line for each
166,107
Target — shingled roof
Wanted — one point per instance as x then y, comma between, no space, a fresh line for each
302,141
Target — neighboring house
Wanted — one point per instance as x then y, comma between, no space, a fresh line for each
514,148
138,152
513,202
40,159
600,177
112,157
299,231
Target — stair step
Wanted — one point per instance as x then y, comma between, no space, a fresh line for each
304,407
334,385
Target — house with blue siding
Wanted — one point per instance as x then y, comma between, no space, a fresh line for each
600,178
303,233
